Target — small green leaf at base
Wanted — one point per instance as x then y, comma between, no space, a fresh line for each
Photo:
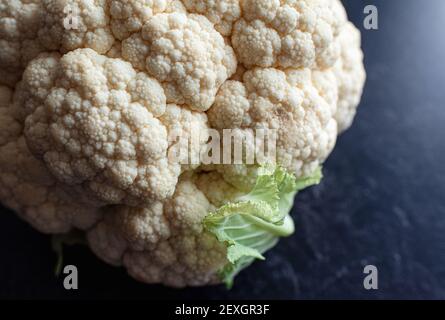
253,223
58,241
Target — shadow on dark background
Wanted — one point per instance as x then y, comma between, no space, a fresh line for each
381,202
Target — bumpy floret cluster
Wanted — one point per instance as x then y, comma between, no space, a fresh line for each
92,90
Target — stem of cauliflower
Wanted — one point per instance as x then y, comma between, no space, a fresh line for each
58,241
252,224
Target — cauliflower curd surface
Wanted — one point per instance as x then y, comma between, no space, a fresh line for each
87,106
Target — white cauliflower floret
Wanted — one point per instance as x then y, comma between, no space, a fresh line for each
98,127
27,187
29,27
223,13
14,128
128,16
88,28
20,21
188,133
222,190
288,33
350,74
162,243
143,227
306,129
176,6
325,82
185,54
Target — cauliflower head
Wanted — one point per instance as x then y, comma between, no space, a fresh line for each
95,96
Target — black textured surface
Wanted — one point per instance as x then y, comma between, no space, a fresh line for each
381,202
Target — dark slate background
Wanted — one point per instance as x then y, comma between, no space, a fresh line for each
382,201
